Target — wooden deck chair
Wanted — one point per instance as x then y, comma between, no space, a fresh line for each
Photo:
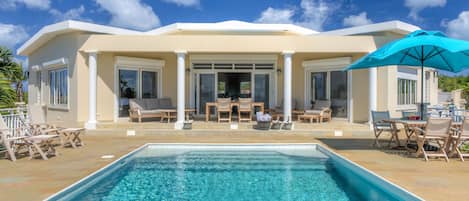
8,141
36,144
437,131
461,137
39,143
245,107
380,126
224,106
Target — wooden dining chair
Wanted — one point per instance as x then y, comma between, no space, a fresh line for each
460,138
437,132
224,107
381,125
245,107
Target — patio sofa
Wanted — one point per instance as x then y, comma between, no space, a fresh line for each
321,108
148,108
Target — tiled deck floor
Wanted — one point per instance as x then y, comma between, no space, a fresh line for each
37,179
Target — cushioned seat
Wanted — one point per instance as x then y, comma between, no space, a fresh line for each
149,107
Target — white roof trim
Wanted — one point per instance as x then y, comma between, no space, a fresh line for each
50,31
232,26
393,26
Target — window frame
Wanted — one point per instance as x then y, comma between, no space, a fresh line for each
410,86
55,65
58,70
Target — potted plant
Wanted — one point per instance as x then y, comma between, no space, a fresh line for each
287,125
277,124
187,123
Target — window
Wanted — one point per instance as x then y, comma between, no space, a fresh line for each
406,91
58,85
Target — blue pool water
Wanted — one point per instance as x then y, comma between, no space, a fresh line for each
228,175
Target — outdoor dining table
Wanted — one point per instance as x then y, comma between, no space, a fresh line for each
408,124
209,105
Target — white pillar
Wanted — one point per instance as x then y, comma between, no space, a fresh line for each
181,73
373,76
287,86
92,65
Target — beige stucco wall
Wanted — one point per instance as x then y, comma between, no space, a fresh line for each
64,46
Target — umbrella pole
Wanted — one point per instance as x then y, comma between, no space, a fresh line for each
422,78
421,93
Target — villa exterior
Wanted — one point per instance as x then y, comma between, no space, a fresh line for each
85,73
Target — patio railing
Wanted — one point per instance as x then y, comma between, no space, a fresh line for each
15,118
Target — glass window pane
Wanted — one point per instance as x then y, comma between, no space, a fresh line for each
318,86
149,84
339,93
207,90
261,89
127,90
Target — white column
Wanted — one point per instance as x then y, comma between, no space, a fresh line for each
181,73
287,86
92,65
373,76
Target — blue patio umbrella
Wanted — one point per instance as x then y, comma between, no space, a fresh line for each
420,48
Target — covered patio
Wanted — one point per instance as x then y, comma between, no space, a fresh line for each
288,76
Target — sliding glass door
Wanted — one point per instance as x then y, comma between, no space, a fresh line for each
206,90
262,88
128,89
135,83
339,93
331,85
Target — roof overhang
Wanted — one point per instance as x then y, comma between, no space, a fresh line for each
50,31
391,26
232,26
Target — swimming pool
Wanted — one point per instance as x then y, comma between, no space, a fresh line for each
233,172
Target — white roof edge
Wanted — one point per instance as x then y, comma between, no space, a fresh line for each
394,26
232,26
67,26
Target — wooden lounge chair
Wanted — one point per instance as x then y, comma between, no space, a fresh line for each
35,144
245,107
437,132
461,137
381,125
224,106
7,141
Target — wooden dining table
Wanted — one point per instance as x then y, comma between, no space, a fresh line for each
209,105
409,124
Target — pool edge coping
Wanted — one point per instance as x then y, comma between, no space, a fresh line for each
229,144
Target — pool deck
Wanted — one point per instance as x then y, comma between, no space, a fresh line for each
37,179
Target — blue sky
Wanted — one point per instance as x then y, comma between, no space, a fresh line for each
20,19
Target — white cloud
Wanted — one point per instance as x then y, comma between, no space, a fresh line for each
31,4
357,20
276,16
314,14
11,35
459,27
130,14
72,14
187,3
416,6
